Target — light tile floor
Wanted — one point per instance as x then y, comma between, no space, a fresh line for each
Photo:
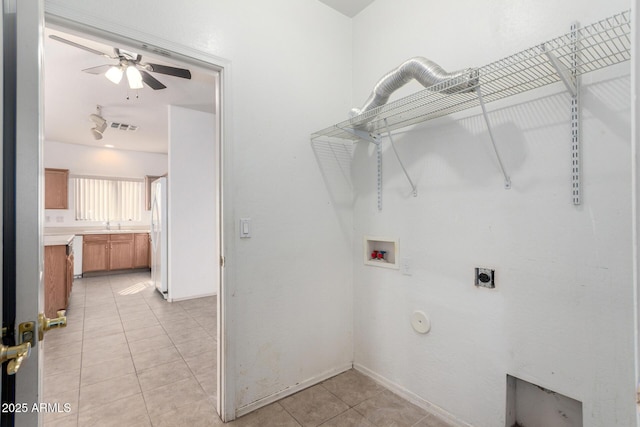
129,358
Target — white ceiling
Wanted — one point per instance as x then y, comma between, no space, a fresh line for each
71,95
348,7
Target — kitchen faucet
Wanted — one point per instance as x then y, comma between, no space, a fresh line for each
108,224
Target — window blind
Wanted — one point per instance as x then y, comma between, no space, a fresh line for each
108,199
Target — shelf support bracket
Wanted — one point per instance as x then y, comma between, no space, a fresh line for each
507,180
569,77
365,136
413,186
379,177
576,162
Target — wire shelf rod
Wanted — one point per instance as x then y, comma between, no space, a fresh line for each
602,44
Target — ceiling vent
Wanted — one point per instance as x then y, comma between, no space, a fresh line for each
124,126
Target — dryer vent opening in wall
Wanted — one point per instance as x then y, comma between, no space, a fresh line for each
530,405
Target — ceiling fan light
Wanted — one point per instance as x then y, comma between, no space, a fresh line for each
114,74
134,77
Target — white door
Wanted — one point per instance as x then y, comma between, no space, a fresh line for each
22,250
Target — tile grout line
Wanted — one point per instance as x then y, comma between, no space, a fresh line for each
82,352
84,312
349,407
77,414
131,354
174,345
285,410
180,353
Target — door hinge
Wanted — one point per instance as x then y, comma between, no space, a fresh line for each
221,261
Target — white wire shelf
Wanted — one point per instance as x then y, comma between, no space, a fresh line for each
599,45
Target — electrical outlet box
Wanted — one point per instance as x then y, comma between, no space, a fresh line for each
485,277
405,267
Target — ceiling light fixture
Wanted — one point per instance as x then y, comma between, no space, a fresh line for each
134,77
101,123
114,74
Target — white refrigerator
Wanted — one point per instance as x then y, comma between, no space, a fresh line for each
159,246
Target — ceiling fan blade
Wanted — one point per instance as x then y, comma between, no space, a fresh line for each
171,71
151,81
98,70
79,46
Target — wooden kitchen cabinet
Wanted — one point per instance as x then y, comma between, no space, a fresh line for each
121,251
57,279
105,252
69,286
56,188
95,252
141,250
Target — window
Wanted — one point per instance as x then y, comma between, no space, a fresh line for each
108,199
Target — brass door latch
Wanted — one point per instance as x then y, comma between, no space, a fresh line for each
15,355
47,324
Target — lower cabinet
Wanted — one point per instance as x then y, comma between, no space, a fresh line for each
58,279
95,252
141,250
121,251
104,252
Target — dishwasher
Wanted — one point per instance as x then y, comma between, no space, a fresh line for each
77,256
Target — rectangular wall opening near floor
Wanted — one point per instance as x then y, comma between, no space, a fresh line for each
530,405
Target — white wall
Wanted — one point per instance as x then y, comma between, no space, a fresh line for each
561,315
290,77
192,216
86,160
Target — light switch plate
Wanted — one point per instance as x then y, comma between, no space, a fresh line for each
245,228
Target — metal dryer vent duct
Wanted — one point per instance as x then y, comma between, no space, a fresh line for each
427,73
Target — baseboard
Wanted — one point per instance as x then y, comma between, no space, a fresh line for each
243,410
412,397
192,297
113,272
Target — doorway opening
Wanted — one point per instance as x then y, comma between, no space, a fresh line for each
158,349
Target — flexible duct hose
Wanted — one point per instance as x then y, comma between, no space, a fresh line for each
426,72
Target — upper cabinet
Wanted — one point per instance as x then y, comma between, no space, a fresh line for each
56,188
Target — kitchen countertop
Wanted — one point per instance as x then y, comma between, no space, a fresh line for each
58,240
58,231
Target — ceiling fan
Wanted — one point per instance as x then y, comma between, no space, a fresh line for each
129,63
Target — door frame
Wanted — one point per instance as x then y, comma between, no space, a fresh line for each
67,19
29,288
